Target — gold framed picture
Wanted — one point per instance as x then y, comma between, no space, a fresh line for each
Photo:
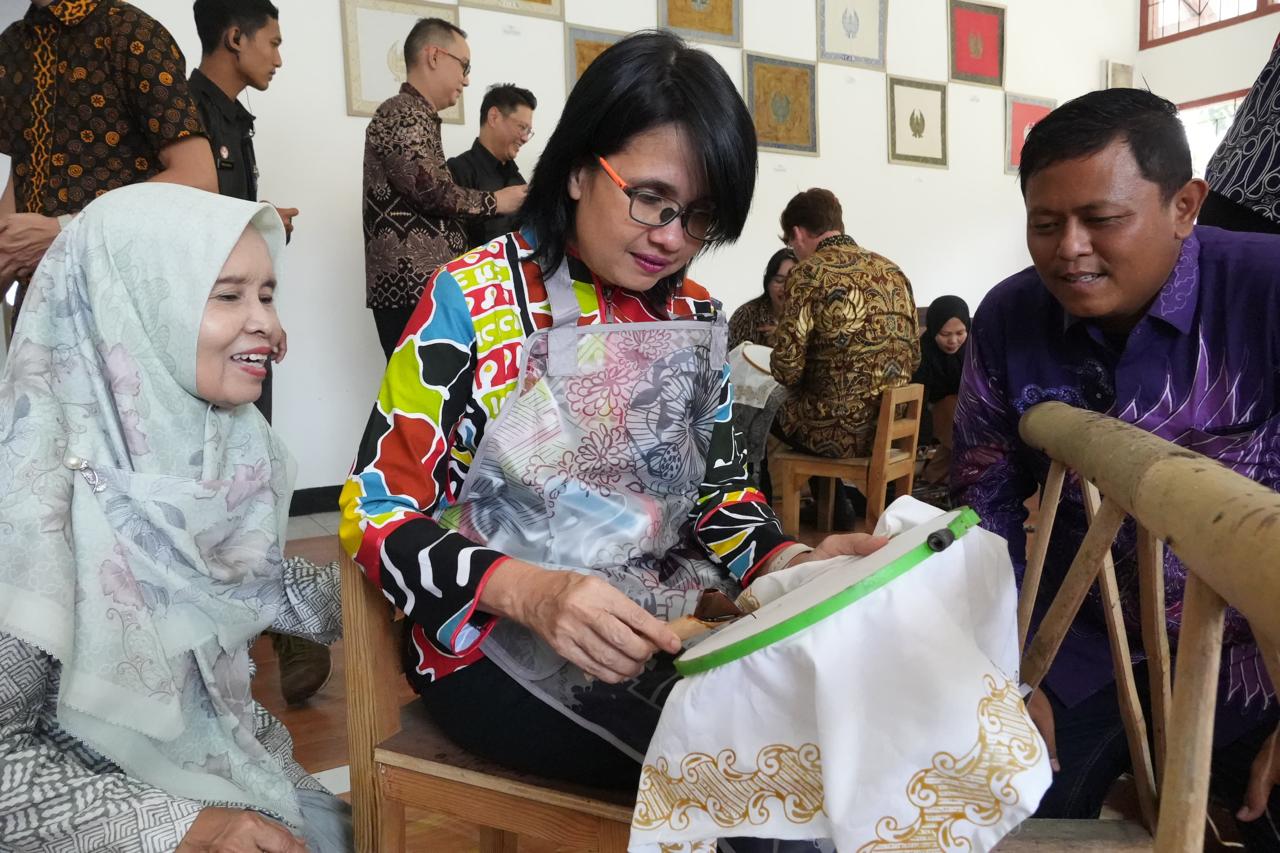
373,34
718,21
581,46
782,95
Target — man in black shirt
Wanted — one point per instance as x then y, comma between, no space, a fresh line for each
240,41
506,124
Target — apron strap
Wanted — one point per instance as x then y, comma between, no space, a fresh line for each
562,347
719,341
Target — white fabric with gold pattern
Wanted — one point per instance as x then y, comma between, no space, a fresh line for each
895,723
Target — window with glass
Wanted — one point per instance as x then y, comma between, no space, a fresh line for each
1207,122
1167,20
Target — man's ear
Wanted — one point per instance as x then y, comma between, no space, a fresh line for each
491,117
231,40
1186,206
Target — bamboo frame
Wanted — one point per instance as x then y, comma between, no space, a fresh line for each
1218,529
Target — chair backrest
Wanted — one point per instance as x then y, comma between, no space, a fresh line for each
1218,523
374,675
899,424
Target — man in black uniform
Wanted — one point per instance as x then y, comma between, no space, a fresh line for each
240,41
506,124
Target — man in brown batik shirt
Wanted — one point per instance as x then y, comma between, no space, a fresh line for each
413,211
93,96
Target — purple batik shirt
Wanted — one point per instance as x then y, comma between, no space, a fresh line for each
1200,369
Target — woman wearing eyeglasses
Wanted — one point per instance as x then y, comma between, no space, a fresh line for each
549,474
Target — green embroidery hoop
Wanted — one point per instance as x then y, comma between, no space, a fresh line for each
957,522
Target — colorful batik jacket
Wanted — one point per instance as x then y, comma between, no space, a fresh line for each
458,360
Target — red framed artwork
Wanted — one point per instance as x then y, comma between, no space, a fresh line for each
1021,112
977,43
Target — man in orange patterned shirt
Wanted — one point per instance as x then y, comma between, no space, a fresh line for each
93,96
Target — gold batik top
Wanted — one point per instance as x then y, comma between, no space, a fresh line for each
848,331
745,323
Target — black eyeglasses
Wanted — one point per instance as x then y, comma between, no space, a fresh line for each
649,208
465,63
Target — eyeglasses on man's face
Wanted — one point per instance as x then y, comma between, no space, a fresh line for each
525,130
654,210
465,63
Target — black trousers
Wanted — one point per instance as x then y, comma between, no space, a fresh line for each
1222,212
391,323
1094,752
487,713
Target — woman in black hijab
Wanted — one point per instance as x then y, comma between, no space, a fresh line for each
942,348
941,362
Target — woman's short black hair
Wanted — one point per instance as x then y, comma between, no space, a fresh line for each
771,268
644,81
1086,125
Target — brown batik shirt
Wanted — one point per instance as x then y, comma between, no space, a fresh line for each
414,214
90,92
848,331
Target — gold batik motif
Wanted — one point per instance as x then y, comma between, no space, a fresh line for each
784,777
975,788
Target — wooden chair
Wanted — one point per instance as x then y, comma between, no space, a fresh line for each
399,759
892,460
1219,524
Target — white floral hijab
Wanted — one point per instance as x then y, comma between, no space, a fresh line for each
141,527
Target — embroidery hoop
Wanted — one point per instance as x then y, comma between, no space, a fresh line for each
762,356
824,595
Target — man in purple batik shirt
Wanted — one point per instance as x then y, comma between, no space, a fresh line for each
1134,311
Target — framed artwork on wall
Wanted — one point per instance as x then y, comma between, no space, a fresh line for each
582,46
1021,112
917,122
373,33
1117,75
540,8
718,21
977,42
852,32
782,95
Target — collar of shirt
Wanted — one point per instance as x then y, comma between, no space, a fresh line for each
1175,303
835,240
231,108
66,12
408,89
502,167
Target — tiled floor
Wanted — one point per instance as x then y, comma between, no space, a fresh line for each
311,526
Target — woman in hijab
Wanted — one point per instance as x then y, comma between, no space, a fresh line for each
942,348
755,320
144,504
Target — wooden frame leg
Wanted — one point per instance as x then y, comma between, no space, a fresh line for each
1039,548
1075,586
498,841
390,828
824,499
614,836
788,495
1131,713
1184,796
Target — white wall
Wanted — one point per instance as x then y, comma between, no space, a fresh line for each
957,230
1208,64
